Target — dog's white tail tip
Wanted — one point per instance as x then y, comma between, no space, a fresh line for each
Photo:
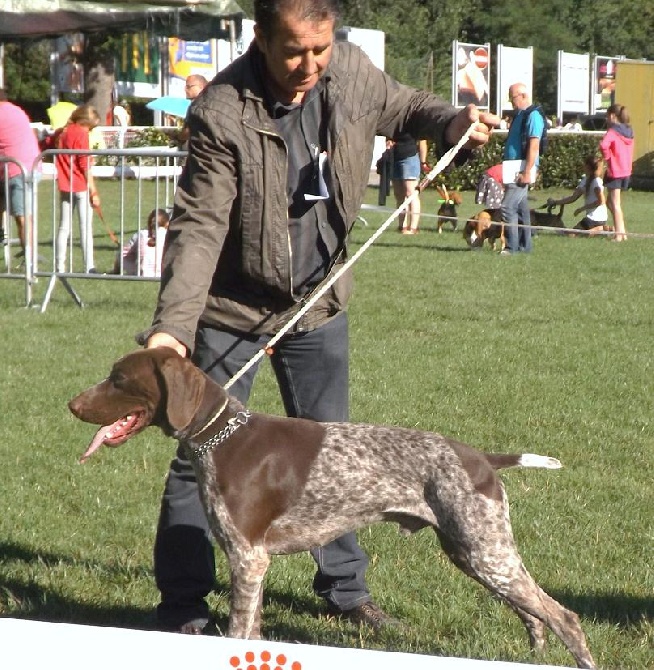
536,461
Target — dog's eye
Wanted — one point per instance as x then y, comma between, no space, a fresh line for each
116,377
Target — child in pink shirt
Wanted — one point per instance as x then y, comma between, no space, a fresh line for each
617,147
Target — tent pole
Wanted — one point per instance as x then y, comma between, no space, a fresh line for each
232,40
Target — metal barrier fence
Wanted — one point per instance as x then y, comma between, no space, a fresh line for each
17,202
66,233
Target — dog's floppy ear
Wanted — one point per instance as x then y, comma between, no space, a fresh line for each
184,390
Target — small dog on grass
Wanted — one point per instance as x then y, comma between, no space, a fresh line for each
485,226
447,212
547,218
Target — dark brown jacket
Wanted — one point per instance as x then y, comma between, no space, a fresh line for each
227,260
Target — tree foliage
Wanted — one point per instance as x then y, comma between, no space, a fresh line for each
27,70
419,35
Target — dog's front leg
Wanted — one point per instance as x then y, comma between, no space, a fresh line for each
248,569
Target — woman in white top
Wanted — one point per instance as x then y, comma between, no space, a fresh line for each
591,187
142,254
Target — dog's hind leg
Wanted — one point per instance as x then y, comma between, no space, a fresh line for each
535,627
487,553
248,570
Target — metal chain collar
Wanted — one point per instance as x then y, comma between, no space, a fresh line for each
240,419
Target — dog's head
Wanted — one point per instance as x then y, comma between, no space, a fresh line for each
449,197
476,228
151,387
484,221
456,197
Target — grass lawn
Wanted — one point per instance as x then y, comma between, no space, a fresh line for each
548,353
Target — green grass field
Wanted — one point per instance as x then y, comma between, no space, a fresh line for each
548,353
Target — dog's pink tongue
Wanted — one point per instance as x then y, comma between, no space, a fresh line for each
96,443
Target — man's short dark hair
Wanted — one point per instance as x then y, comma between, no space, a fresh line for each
267,12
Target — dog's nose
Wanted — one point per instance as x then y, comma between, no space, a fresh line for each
75,405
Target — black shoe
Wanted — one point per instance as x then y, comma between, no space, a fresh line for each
92,271
368,613
194,627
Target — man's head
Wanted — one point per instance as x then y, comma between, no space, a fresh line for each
519,96
296,38
194,85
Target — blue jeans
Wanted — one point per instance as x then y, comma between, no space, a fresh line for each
515,208
312,374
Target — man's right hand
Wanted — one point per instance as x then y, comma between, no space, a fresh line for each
164,340
484,124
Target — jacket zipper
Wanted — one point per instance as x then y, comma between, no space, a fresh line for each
262,131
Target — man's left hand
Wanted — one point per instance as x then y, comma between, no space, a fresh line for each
485,122
523,178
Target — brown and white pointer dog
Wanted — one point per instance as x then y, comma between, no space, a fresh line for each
275,485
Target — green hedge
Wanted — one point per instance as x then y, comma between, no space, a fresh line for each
561,166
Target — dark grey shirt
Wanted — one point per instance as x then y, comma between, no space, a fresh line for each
314,241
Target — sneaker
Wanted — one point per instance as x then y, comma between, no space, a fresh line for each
368,613
505,252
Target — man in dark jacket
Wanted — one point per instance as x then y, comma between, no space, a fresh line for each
280,151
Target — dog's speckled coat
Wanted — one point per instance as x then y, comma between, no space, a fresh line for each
280,485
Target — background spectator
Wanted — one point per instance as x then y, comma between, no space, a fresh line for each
617,147
142,254
195,84
18,141
122,118
76,186
408,157
522,146
591,187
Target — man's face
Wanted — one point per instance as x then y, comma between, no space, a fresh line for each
518,98
297,54
193,88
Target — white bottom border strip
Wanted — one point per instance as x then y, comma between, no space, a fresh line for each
32,644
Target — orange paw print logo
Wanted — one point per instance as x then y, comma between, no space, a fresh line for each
267,663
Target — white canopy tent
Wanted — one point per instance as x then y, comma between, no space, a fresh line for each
188,19
196,20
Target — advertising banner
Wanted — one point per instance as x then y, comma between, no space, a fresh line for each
603,82
514,65
68,68
470,77
139,59
573,91
185,58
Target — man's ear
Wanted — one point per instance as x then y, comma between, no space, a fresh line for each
260,38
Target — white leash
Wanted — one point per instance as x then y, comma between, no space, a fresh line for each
444,161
